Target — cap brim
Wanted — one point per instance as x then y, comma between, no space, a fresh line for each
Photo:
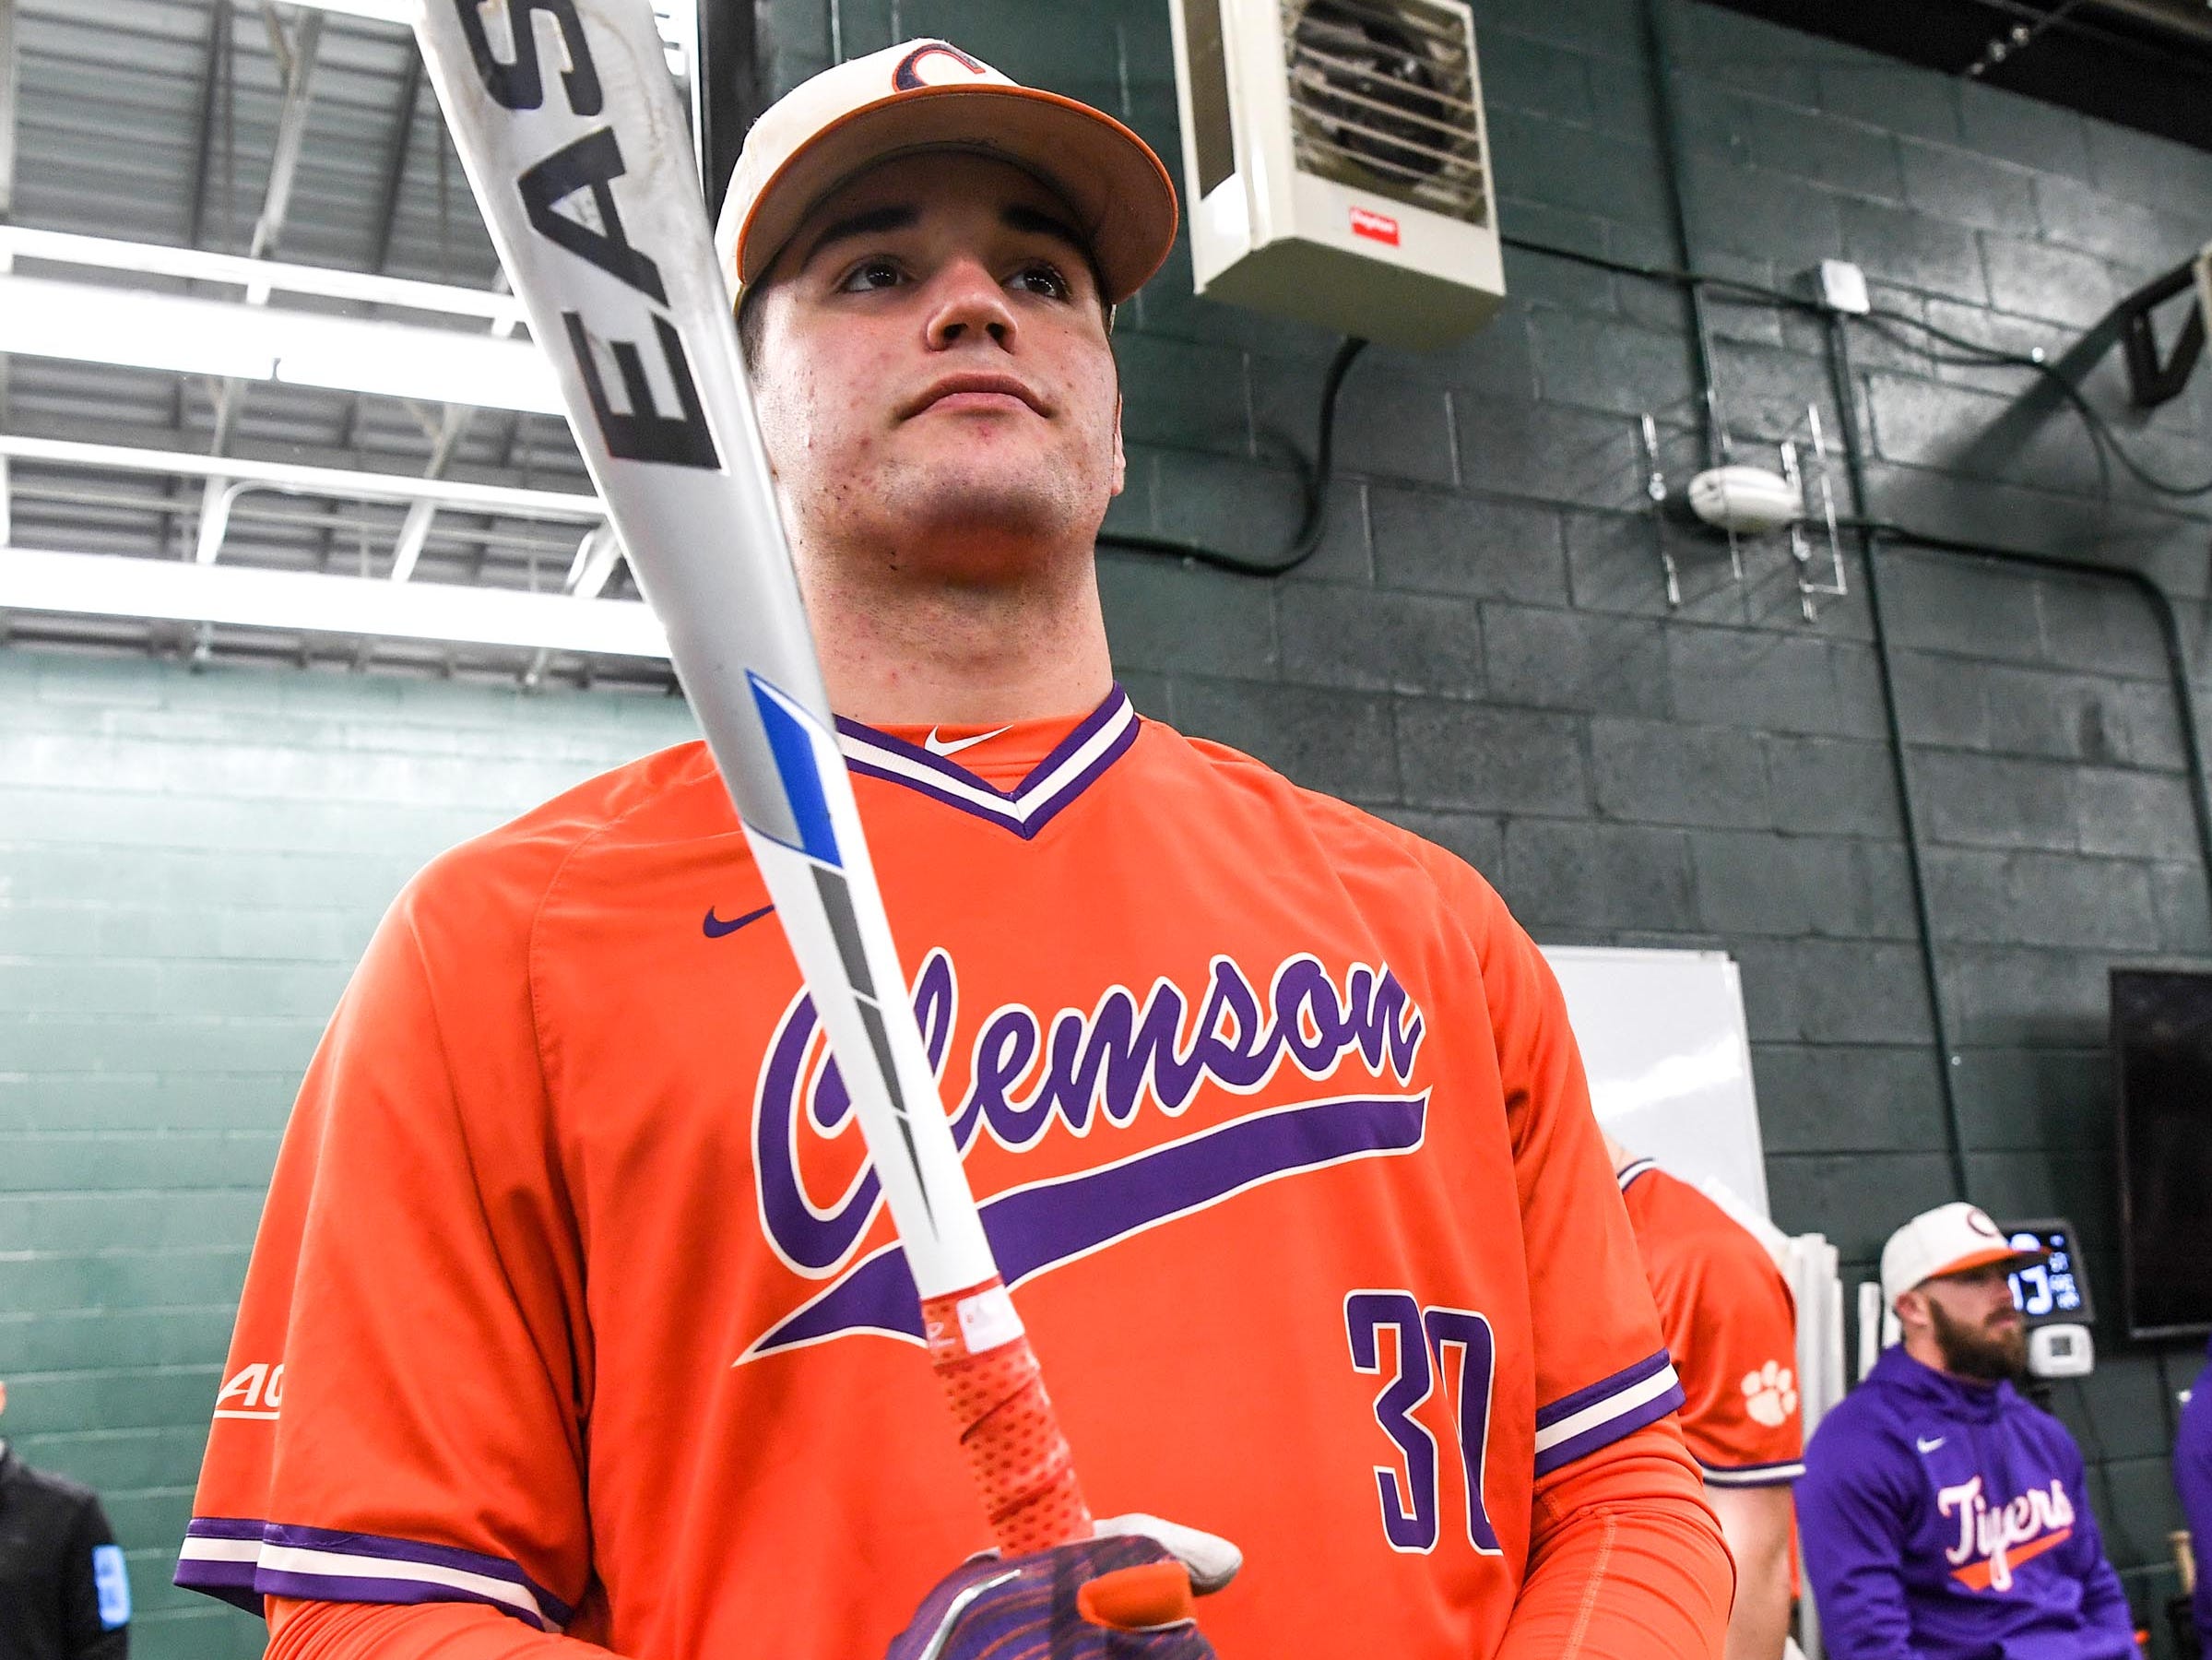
1982,1259
1109,176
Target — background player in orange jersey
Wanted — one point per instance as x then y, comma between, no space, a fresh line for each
1731,1327
574,1317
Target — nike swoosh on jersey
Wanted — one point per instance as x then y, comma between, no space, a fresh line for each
952,746
714,928
1929,1446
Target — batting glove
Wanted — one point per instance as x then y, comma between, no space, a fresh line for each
1122,1595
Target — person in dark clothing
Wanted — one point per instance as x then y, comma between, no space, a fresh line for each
64,1594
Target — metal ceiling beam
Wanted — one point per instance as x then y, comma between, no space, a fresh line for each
395,174
296,55
297,58
351,484
273,276
214,60
10,117
9,90
104,585
203,147
10,95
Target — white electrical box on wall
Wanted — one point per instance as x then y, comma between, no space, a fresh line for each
1336,166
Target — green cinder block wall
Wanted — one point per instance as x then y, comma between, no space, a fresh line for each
1481,649
190,864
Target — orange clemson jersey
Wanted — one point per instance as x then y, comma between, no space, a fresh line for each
575,1295
1731,1327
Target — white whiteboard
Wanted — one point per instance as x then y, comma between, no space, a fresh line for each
1663,1040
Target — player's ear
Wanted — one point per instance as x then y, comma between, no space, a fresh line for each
1120,461
1911,1308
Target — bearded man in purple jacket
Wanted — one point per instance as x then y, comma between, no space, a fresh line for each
1945,1517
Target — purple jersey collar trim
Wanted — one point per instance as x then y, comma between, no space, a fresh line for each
1099,739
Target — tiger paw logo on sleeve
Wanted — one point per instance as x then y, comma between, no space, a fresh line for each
1770,1394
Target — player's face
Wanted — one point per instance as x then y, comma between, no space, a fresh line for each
1979,1330
933,372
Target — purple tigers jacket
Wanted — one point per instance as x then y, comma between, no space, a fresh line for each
2193,1481
1944,1520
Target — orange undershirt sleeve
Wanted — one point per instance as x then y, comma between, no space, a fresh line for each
1626,1560
436,1631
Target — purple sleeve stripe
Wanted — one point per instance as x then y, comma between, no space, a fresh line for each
224,1528
244,1560
1752,1475
1628,1378
228,1582
1647,1411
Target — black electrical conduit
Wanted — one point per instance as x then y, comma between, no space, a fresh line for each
1854,461
1659,56
1319,477
1873,533
2161,607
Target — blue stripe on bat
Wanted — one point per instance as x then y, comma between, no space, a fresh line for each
797,763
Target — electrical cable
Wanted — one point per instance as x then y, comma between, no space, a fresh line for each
2158,1360
1844,379
1877,321
2103,438
1693,279
2101,431
1319,477
2162,611
2098,1458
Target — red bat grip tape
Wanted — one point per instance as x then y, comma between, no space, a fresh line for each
1020,1459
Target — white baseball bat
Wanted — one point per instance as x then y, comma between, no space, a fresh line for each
575,144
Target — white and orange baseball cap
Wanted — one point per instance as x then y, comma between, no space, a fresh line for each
930,95
1951,1239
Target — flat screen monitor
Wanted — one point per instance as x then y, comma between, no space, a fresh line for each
2162,1058
2054,1291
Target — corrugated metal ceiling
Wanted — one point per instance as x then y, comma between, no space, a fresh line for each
156,120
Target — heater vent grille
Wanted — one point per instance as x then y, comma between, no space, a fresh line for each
1383,98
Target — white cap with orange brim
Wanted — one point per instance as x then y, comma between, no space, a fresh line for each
1951,1239
926,95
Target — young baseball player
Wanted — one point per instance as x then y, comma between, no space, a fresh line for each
1944,1515
1732,1329
575,1316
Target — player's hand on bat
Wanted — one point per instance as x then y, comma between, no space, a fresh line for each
1125,1595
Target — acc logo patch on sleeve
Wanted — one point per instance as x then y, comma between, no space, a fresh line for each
111,1584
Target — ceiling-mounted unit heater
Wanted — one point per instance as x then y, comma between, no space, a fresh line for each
1336,163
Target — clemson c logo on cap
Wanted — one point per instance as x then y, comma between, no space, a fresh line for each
915,69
